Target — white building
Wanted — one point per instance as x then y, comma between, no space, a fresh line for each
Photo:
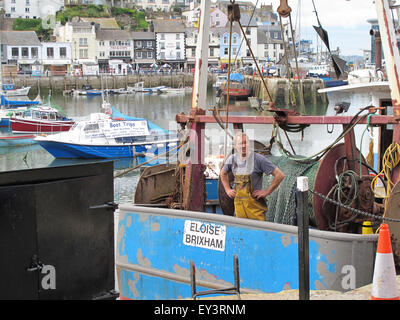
213,46
82,36
270,47
56,57
114,45
250,27
163,5
217,17
32,9
20,48
170,42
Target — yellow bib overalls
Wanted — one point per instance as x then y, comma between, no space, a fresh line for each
245,205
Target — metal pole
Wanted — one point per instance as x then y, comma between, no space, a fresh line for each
303,241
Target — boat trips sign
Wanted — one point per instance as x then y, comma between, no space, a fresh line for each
204,235
116,129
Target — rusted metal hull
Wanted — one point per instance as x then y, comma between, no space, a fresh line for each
155,247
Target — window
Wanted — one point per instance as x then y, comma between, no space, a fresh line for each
193,52
15,52
139,55
162,55
91,127
27,3
211,52
178,36
234,51
162,36
12,9
27,10
162,45
63,52
226,39
50,52
235,39
225,51
178,55
34,52
102,54
83,53
178,45
149,55
83,42
25,52
149,45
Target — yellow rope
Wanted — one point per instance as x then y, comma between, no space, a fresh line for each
390,160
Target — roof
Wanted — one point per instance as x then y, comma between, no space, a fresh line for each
143,35
262,37
80,24
169,26
214,30
105,23
19,38
113,35
247,21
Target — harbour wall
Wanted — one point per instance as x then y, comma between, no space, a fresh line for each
69,82
279,88
283,90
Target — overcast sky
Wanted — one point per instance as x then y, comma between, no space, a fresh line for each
344,20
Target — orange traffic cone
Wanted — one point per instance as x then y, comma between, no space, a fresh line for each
384,283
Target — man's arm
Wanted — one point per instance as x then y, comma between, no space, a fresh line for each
278,177
225,182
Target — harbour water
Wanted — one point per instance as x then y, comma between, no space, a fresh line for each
161,109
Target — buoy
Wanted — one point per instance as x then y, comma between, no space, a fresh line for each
384,283
367,227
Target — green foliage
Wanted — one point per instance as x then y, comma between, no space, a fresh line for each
141,20
27,24
139,17
21,24
91,10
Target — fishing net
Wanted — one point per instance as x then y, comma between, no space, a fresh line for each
282,202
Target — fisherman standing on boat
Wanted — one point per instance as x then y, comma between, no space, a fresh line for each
248,168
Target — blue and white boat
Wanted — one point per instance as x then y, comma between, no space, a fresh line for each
16,103
9,90
139,87
8,107
109,135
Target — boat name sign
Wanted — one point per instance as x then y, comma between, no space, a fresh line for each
204,235
126,129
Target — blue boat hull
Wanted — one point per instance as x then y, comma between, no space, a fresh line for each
155,247
76,151
5,122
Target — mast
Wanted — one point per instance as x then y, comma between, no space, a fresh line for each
392,58
199,96
1,62
194,188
